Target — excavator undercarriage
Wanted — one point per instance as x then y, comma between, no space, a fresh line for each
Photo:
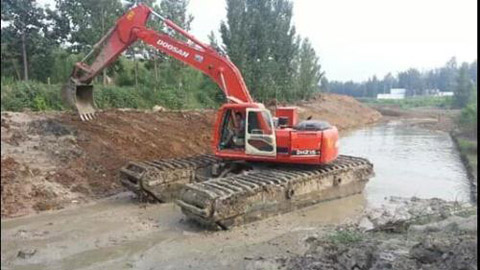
161,180
215,199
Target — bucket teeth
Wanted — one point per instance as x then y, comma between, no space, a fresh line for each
87,116
80,97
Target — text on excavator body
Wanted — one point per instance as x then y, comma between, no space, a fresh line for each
172,48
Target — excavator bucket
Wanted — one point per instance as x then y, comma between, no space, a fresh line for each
80,97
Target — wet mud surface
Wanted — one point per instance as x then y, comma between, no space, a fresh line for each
119,233
402,237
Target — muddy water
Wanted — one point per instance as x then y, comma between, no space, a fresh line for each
118,233
409,161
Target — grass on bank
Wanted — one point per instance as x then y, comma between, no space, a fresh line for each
469,148
412,102
36,96
345,237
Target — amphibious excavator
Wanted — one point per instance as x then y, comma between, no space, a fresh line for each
261,164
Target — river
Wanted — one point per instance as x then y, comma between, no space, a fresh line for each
409,161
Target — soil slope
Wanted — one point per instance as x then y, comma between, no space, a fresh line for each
53,159
342,111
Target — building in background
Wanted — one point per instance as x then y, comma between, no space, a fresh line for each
395,93
445,94
431,92
437,93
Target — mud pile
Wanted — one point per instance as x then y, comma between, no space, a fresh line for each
342,111
442,237
53,159
439,252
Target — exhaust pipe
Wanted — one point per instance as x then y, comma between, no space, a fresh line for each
80,98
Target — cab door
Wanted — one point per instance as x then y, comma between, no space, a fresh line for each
260,133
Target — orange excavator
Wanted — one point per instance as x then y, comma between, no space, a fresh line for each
262,165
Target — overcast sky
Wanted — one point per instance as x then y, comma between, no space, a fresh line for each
357,39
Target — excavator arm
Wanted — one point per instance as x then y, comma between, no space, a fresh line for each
132,27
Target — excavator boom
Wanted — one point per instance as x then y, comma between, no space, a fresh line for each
78,92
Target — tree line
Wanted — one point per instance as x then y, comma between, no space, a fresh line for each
452,77
42,44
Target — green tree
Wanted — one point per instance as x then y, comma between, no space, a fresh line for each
11,58
309,73
324,84
260,39
284,48
372,86
84,22
412,81
234,34
447,76
416,82
464,89
22,35
176,11
389,82
473,71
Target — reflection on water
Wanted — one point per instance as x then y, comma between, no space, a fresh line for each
409,161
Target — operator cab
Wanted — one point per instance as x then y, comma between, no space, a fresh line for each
233,130
247,130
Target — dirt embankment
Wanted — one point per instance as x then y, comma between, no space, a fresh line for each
50,160
342,111
425,117
405,234
53,159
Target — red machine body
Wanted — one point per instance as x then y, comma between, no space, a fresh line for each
289,113
263,140
289,145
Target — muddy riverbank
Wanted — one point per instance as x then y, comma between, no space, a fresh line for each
425,117
468,157
414,234
119,233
